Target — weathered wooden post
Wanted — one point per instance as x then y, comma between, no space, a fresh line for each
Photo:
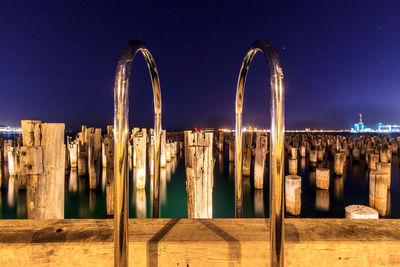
293,153
163,160
385,168
7,147
356,153
259,161
1,162
108,148
151,152
313,157
361,212
73,154
339,163
320,155
43,161
168,152
94,148
293,166
372,160
247,146
322,178
302,151
199,173
139,147
378,191
220,141
231,151
13,161
82,158
293,194
385,154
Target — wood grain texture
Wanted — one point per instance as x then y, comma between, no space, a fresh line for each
201,242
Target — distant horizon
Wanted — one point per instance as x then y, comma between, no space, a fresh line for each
338,58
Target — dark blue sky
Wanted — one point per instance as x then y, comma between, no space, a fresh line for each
339,58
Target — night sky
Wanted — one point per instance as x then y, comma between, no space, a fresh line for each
339,58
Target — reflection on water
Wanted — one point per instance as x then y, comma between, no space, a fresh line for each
259,203
21,204
312,177
322,200
231,171
168,171
163,189
80,202
303,164
12,188
220,162
141,203
389,204
73,181
338,187
103,179
92,200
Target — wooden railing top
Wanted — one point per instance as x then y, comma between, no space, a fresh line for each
208,242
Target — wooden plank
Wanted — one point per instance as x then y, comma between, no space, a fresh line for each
208,242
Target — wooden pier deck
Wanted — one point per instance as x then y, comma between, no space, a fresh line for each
200,242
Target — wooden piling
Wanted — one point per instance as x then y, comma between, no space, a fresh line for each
259,162
385,168
108,145
247,147
293,194
199,173
139,147
360,212
339,163
313,157
302,151
322,178
43,160
372,160
293,166
163,141
94,148
378,191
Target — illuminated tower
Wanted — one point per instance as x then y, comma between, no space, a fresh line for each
360,125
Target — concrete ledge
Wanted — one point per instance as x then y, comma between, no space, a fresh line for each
214,242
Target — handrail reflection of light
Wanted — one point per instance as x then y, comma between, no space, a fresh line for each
276,145
121,130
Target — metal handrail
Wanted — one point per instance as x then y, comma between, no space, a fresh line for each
121,131
276,146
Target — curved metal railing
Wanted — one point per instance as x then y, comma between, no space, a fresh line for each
121,131
276,145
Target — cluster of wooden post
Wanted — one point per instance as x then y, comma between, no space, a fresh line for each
36,162
88,155
376,151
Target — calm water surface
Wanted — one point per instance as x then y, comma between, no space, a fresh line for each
351,188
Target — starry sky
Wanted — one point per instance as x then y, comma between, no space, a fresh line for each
339,58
